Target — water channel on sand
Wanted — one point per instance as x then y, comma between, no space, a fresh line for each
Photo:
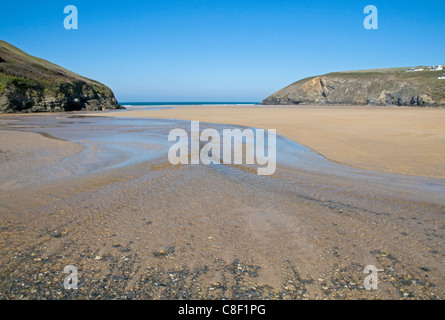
107,201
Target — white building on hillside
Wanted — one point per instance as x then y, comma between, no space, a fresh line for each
442,77
437,68
414,70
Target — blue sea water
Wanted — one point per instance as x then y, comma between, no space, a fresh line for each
186,103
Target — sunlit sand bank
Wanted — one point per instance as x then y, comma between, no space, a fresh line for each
407,141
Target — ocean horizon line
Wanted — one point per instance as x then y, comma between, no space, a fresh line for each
166,103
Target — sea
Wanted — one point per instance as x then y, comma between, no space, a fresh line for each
193,103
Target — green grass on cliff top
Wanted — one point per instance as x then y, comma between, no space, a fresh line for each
428,79
425,77
18,67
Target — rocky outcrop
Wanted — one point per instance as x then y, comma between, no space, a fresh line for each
371,87
30,84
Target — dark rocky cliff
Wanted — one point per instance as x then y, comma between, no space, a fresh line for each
367,87
30,84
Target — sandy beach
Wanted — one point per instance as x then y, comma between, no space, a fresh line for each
16,150
408,141
137,227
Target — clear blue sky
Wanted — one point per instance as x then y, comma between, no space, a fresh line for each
231,50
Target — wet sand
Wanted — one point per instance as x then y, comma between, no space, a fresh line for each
409,141
150,230
24,156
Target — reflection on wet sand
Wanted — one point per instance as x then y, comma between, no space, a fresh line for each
106,200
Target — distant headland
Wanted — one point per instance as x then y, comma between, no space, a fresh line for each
420,86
